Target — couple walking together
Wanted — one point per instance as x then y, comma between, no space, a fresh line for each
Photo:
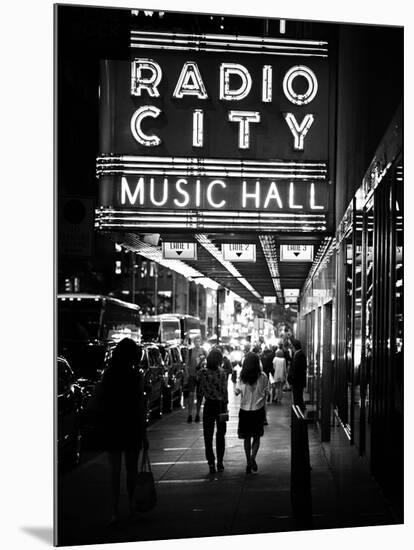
253,387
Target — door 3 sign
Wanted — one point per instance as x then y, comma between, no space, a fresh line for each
296,253
236,252
179,251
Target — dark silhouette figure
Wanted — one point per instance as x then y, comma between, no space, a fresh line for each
213,383
123,418
297,374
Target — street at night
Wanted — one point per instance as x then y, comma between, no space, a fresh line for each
229,275
194,503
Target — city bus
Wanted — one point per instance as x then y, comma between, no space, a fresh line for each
89,325
170,328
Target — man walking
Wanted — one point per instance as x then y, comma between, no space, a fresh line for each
195,360
297,374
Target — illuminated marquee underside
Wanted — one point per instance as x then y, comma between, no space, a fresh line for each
108,219
227,43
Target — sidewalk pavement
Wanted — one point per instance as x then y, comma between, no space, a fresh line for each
194,503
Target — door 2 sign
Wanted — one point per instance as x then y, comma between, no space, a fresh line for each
296,253
237,252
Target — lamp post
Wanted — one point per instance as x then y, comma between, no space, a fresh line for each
133,272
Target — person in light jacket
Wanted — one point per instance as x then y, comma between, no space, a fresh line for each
279,373
253,388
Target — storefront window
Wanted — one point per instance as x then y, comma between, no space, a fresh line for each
398,293
357,321
366,370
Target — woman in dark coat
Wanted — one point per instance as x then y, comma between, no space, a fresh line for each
123,418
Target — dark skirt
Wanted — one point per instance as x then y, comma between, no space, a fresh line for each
251,423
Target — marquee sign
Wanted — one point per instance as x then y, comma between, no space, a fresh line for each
194,129
239,252
179,251
296,253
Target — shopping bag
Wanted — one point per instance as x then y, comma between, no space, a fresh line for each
145,494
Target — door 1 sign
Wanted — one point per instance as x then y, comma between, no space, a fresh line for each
237,252
296,253
179,251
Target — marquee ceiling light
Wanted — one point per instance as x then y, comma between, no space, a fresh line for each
269,250
325,251
155,254
108,218
216,253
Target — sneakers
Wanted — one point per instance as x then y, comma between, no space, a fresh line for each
189,419
197,418
220,466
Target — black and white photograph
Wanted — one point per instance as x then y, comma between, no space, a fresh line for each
227,274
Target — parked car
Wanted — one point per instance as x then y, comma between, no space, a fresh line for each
155,376
174,364
70,404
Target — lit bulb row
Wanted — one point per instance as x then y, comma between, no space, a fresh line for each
153,253
217,254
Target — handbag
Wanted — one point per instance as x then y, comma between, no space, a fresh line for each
145,493
224,415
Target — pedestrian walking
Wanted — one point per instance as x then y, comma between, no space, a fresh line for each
122,402
267,363
195,360
253,388
235,374
213,381
288,356
297,374
279,373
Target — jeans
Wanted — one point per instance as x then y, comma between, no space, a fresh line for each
212,409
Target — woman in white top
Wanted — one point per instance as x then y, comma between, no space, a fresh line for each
279,368
253,387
